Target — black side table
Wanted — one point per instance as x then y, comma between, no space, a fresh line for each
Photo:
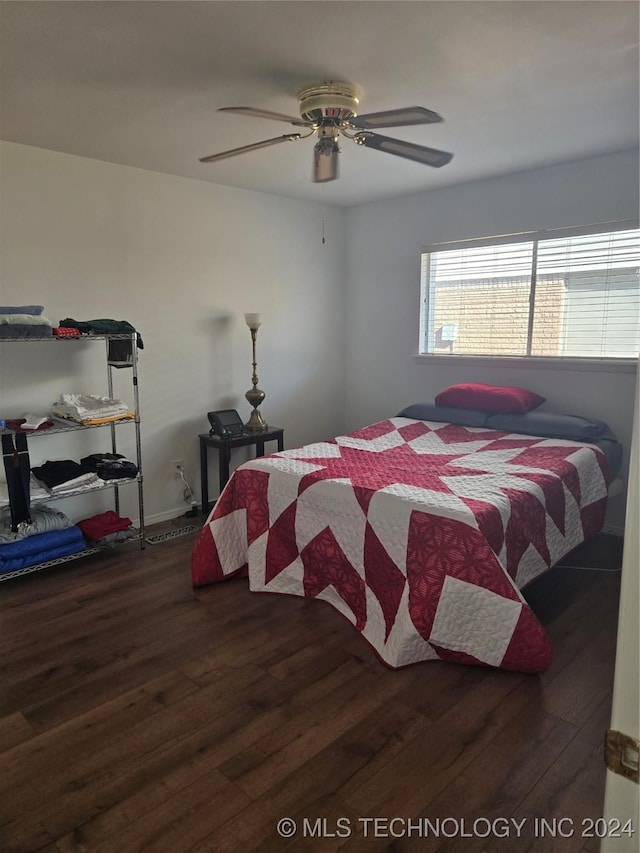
224,446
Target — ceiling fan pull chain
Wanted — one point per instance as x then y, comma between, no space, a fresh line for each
323,240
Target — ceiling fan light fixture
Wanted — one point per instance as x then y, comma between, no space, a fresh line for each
325,160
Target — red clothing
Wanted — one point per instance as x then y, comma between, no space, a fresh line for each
98,526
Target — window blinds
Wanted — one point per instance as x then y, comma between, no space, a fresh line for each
568,296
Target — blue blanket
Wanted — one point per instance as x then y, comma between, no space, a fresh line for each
41,548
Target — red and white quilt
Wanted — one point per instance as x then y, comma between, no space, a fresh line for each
421,534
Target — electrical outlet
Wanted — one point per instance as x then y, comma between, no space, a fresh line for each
176,467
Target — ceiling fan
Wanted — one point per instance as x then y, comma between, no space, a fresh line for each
330,110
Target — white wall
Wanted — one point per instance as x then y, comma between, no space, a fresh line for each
181,260
383,287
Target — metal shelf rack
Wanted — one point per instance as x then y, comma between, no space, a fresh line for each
113,426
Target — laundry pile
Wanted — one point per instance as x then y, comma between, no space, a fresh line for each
24,321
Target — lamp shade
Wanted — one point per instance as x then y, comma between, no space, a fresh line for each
252,320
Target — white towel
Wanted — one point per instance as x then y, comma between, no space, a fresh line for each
81,407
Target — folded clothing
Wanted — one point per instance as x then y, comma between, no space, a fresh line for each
24,330
41,548
87,407
53,474
82,483
114,538
97,421
43,520
99,526
21,309
29,423
37,491
110,466
24,320
65,475
66,331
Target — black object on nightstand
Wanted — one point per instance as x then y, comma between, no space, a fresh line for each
224,445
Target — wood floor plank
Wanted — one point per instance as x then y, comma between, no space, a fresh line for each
446,748
61,793
574,605
180,821
78,737
123,671
571,790
197,732
585,682
14,729
33,838
382,735
259,642
441,686
494,784
322,828
282,751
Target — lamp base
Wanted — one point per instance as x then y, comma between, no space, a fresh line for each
256,423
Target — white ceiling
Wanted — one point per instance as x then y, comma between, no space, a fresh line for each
519,84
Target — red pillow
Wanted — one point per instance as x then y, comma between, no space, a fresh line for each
489,398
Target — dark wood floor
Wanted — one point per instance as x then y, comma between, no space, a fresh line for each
138,715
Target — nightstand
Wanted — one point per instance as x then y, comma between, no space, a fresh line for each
224,445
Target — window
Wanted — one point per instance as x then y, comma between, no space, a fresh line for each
572,295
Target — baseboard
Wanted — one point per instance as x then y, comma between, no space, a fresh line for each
169,515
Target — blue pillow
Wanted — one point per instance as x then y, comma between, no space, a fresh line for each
550,425
444,414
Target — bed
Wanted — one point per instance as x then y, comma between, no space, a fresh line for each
421,529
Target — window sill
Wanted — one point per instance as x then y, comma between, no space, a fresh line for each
590,365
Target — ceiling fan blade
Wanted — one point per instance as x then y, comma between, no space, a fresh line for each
395,118
250,111
288,137
419,153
